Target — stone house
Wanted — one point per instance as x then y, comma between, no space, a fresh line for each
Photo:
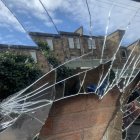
68,45
33,51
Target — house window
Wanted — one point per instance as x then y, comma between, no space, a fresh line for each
123,54
50,43
33,55
71,43
77,43
91,43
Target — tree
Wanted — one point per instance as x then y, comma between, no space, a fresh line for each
63,71
16,72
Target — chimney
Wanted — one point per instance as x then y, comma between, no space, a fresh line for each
79,30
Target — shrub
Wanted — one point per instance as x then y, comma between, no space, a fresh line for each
16,72
63,71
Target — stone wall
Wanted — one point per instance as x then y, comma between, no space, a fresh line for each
112,44
136,49
114,130
83,117
59,50
63,52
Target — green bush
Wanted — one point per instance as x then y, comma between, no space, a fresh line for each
16,72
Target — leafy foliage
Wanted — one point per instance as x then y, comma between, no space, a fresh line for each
16,72
63,71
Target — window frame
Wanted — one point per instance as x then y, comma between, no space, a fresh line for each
91,44
52,45
71,46
123,51
77,43
34,57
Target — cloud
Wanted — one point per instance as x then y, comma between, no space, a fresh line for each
75,10
34,8
122,14
7,20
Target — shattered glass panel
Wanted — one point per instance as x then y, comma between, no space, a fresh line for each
95,71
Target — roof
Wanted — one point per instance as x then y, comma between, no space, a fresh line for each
119,30
133,43
123,47
56,35
18,46
43,34
136,0
69,33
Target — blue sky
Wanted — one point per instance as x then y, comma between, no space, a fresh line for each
67,15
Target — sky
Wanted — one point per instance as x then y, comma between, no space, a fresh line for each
106,17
